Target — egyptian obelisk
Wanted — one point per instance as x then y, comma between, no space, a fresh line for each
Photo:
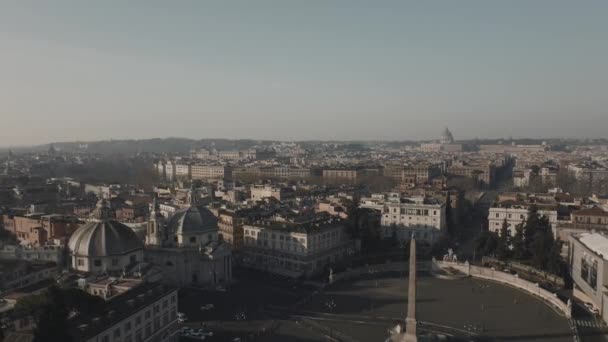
410,321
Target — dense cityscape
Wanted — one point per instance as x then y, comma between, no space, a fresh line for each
222,240
303,171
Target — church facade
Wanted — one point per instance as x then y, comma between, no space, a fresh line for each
187,247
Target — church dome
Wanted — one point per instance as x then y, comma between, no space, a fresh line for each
192,220
447,137
102,236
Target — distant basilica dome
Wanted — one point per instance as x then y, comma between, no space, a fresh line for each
446,137
104,244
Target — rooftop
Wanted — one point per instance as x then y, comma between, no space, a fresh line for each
118,309
596,242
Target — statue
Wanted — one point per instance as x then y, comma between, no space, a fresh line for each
331,275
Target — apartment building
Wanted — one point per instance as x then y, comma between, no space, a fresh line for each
341,174
261,192
37,230
296,249
206,172
230,224
514,207
420,173
146,313
424,217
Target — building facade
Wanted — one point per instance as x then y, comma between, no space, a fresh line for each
588,253
295,249
426,219
187,247
516,214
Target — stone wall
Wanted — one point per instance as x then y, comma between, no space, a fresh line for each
512,280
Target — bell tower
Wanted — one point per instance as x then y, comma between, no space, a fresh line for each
156,223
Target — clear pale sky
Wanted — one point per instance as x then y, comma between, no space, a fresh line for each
308,69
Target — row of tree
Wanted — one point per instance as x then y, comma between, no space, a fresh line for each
51,309
532,243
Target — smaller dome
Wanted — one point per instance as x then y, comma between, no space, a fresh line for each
192,220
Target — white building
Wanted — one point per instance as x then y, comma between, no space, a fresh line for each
515,214
423,217
588,259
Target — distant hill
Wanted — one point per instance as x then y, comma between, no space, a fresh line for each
157,145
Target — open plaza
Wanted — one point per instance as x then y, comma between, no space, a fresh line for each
365,308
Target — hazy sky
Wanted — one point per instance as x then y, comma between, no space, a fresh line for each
308,69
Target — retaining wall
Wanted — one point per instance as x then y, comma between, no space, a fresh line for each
512,280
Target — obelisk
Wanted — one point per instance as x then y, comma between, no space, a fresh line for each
410,321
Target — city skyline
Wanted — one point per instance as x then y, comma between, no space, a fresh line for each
302,70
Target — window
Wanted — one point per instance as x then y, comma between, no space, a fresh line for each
193,239
128,326
589,271
80,262
117,333
148,314
97,263
138,320
133,258
114,262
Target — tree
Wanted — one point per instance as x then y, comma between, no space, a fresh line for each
503,249
519,249
51,308
486,243
51,324
354,217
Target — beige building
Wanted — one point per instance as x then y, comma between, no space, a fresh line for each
421,173
261,192
341,174
296,249
206,172
515,214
